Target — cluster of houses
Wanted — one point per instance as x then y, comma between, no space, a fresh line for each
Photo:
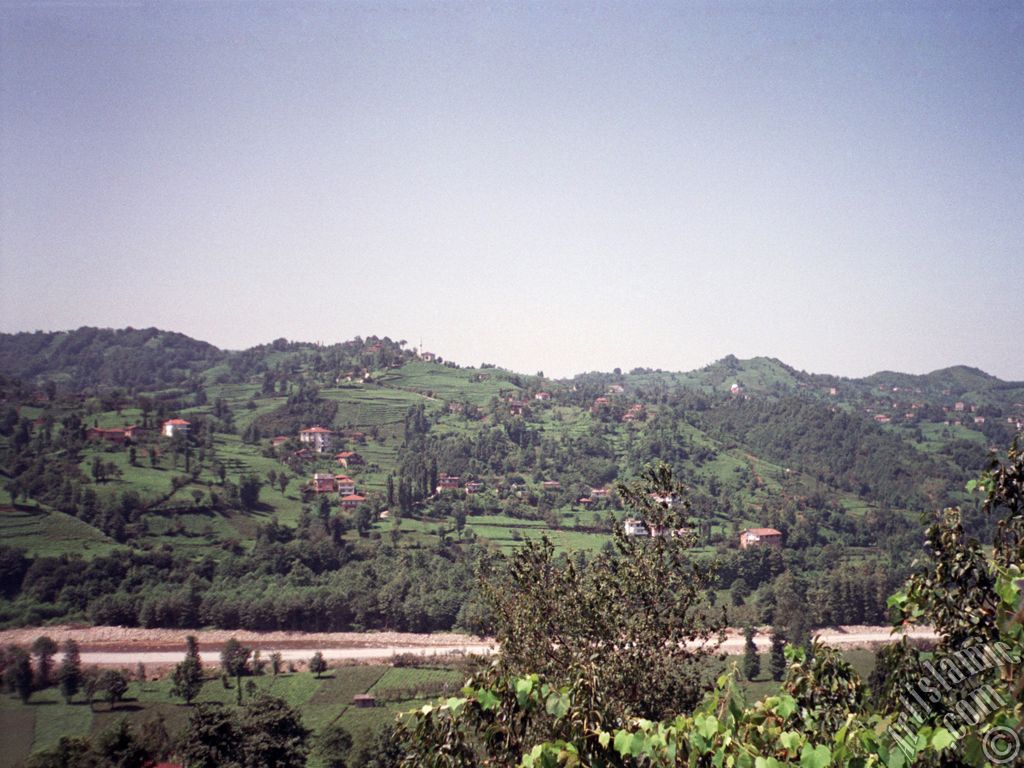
121,435
343,485
749,538
446,482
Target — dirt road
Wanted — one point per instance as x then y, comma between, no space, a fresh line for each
158,648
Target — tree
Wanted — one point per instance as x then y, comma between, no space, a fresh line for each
317,665
113,684
633,626
187,677
187,680
118,747
69,675
273,735
69,753
234,660
43,649
211,739
18,673
333,745
249,491
777,661
751,658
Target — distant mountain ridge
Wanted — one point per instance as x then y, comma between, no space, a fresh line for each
90,357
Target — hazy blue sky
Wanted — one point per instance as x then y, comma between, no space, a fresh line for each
546,186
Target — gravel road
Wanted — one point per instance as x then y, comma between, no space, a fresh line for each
157,648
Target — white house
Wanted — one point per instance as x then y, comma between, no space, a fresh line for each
174,427
318,438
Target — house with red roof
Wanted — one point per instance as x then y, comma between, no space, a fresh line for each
348,458
760,537
352,500
345,485
116,435
323,483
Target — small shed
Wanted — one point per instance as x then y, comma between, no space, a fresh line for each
364,700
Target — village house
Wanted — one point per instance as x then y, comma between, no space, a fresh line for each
517,407
542,396
958,405
447,482
634,527
345,485
615,389
349,458
599,403
736,389
428,357
323,483
760,537
551,485
279,440
881,418
599,493
474,486
352,500
174,427
586,501
318,438
635,413
112,435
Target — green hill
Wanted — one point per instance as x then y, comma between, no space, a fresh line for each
841,467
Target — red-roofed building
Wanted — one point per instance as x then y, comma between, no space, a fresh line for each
279,440
324,483
352,501
760,537
474,487
113,435
318,438
448,482
345,484
599,493
174,427
349,458
542,396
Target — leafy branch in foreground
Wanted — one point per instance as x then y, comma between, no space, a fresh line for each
569,710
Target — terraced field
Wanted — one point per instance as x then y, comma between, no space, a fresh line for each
47,532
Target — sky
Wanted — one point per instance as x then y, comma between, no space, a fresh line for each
550,186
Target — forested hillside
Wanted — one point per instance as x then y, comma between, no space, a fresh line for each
145,473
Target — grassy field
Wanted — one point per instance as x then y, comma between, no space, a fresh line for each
46,532
321,701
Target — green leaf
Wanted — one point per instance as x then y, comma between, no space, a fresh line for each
487,700
524,687
790,740
603,738
557,705
786,706
942,739
706,726
816,757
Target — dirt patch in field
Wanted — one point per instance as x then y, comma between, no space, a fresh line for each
17,729
138,639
